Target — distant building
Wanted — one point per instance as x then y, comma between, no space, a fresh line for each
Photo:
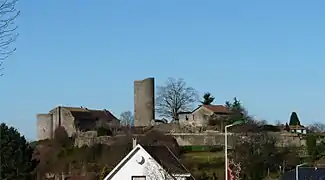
299,129
201,115
310,173
73,119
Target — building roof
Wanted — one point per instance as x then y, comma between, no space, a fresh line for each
297,127
217,108
311,173
162,154
90,114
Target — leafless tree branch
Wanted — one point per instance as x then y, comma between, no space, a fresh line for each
126,118
317,127
8,35
173,97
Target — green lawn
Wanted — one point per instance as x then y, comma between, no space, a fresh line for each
204,156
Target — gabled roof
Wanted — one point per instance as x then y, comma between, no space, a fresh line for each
161,154
215,109
90,114
297,127
164,156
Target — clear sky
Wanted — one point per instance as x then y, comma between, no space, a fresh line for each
270,54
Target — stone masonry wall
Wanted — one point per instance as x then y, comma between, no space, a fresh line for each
144,102
189,139
44,126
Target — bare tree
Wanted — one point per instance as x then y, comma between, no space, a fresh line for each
317,127
8,14
173,97
278,123
126,118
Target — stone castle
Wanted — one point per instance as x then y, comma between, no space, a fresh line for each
75,119
84,121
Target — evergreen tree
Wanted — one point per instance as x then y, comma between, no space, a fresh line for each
207,99
238,111
294,120
16,155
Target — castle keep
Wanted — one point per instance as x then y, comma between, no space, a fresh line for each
144,102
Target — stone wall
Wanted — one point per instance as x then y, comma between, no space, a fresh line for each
90,138
63,117
214,138
44,126
190,139
48,122
144,102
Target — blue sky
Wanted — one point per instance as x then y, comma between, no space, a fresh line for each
270,54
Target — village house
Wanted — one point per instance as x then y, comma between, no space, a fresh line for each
299,129
201,115
149,163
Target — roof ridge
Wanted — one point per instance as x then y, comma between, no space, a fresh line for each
177,160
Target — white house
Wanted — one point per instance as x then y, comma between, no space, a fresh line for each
201,115
149,163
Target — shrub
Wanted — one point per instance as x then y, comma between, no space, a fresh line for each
61,136
104,172
270,128
101,131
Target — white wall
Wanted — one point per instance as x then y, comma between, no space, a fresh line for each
183,121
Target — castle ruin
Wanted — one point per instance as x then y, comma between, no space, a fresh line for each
144,102
73,119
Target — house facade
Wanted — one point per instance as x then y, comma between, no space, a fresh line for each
149,163
299,129
202,114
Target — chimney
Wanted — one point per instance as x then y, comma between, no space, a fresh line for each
134,142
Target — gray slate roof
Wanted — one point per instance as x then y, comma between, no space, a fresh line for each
305,173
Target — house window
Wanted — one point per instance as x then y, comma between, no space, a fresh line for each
186,117
138,177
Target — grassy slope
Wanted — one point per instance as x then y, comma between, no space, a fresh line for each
204,162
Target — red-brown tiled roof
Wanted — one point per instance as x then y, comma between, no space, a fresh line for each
297,127
217,109
91,114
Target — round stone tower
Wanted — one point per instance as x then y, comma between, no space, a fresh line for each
144,102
